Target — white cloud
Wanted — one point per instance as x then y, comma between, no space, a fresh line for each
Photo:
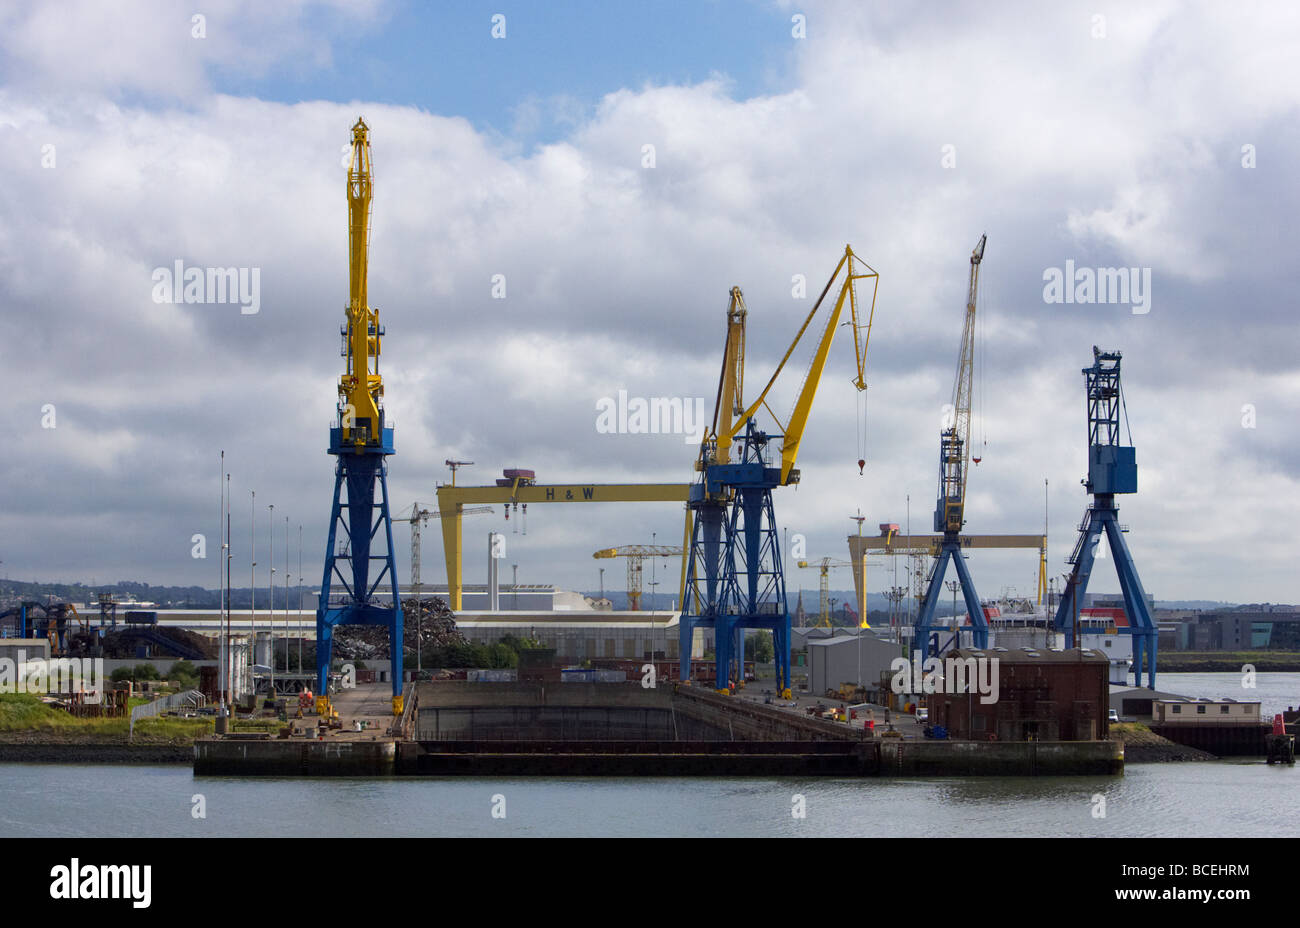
1118,151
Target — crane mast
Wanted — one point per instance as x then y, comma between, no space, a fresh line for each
950,507
954,442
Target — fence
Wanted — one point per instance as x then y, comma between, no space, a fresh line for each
191,698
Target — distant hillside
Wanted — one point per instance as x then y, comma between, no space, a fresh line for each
167,597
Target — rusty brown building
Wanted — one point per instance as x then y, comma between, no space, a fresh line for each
1042,695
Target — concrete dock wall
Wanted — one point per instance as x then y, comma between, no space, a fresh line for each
739,720
274,757
999,758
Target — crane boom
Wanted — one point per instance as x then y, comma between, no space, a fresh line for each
954,441
792,431
731,382
360,386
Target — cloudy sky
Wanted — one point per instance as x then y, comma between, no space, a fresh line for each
1156,136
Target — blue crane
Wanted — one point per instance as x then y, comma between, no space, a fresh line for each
1112,470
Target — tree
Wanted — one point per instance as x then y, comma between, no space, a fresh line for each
759,648
184,673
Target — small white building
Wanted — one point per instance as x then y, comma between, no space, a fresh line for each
1187,711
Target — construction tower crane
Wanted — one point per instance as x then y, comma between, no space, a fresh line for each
360,440
734,578
636,556
824,566
419,518
1112,470
950,508
455,466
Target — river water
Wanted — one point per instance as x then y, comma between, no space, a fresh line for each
1221,798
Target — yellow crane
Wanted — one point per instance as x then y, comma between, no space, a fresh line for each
636,556
731,414
360,387
824,567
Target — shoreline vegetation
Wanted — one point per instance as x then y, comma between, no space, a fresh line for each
30,730
1229,661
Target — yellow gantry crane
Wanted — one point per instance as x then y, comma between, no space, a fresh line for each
636,556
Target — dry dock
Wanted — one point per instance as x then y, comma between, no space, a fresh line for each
580,729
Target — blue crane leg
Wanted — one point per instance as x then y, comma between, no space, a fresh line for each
358,472
396,643
925,616
976,609
1067,610
324,628
1143,628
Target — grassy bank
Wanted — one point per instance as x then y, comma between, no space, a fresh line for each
24,718
1229,661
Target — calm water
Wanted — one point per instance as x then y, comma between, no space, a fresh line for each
1275,691
1223,798
1201,799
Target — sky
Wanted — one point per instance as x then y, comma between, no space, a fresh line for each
560,211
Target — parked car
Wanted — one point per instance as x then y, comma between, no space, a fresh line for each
1114,716
922,714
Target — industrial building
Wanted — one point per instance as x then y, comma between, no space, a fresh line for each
578,636
1041,696
858,658
1248,628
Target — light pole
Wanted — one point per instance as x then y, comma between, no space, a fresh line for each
514,583
271,590
287,577
252,587
286,657
221,592
230,657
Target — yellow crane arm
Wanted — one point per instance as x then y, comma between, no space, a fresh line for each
360,387
731,382
793,430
